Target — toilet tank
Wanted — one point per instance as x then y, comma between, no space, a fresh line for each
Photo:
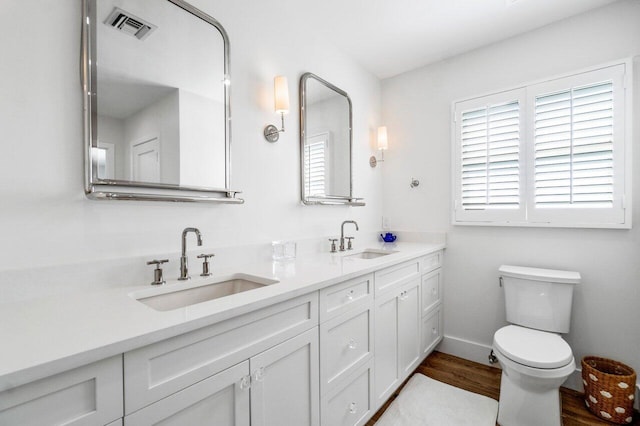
538,298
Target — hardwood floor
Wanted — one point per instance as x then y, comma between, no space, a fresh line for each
485,380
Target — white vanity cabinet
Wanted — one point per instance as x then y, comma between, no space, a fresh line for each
346,352
330,357
408,320
87,395
264,363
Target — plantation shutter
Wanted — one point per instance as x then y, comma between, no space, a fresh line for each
574,147
553,153
315,170
490,153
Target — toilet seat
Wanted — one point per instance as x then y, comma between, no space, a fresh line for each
533,348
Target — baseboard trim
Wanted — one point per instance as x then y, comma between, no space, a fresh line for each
467,349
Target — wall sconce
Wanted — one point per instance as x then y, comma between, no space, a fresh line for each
383,145
281,101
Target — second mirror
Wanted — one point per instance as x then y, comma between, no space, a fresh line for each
325,143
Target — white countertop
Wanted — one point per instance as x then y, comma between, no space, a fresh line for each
46,336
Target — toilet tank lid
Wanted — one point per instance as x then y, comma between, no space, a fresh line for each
538,274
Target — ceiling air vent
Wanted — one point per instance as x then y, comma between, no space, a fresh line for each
129,24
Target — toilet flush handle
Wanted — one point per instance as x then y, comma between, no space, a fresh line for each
500,281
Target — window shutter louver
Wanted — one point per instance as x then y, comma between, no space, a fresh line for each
490,139
573,142
314,157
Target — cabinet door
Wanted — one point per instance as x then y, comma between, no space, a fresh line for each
385,340
397,338
409,328
158,370
221,400
285,383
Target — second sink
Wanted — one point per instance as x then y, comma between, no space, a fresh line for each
175,299
369,254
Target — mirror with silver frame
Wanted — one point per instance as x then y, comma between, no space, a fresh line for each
325,143
156,90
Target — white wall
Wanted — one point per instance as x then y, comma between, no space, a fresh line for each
159,120
112,131
416,109
45,217
202,147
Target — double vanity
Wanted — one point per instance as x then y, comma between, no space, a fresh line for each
324,339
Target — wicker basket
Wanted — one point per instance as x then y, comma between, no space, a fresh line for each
609,388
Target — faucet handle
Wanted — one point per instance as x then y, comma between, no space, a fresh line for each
157,273
349,245
333,244
205,264
157,262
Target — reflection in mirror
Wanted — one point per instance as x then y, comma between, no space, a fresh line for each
157,101
325,143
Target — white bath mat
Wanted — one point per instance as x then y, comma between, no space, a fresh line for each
427,402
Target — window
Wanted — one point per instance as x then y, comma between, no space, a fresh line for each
315,155
547,154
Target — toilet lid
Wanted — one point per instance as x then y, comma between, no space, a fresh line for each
533,348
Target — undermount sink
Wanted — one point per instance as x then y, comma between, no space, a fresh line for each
174,299
369,254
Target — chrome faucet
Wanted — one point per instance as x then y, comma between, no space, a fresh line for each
184,269
342,234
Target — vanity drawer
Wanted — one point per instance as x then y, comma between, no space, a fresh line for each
431,331
88,395
345,342
388,278
432,261
351,402
431,290
339,298
161,369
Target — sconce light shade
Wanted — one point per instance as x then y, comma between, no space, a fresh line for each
281,105
281,94
383,143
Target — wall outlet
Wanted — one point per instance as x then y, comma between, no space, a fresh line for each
385,223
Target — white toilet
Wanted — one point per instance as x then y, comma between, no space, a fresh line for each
535,359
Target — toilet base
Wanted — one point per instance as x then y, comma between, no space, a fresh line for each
526,406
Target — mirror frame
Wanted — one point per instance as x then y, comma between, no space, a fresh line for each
114,189
327,199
